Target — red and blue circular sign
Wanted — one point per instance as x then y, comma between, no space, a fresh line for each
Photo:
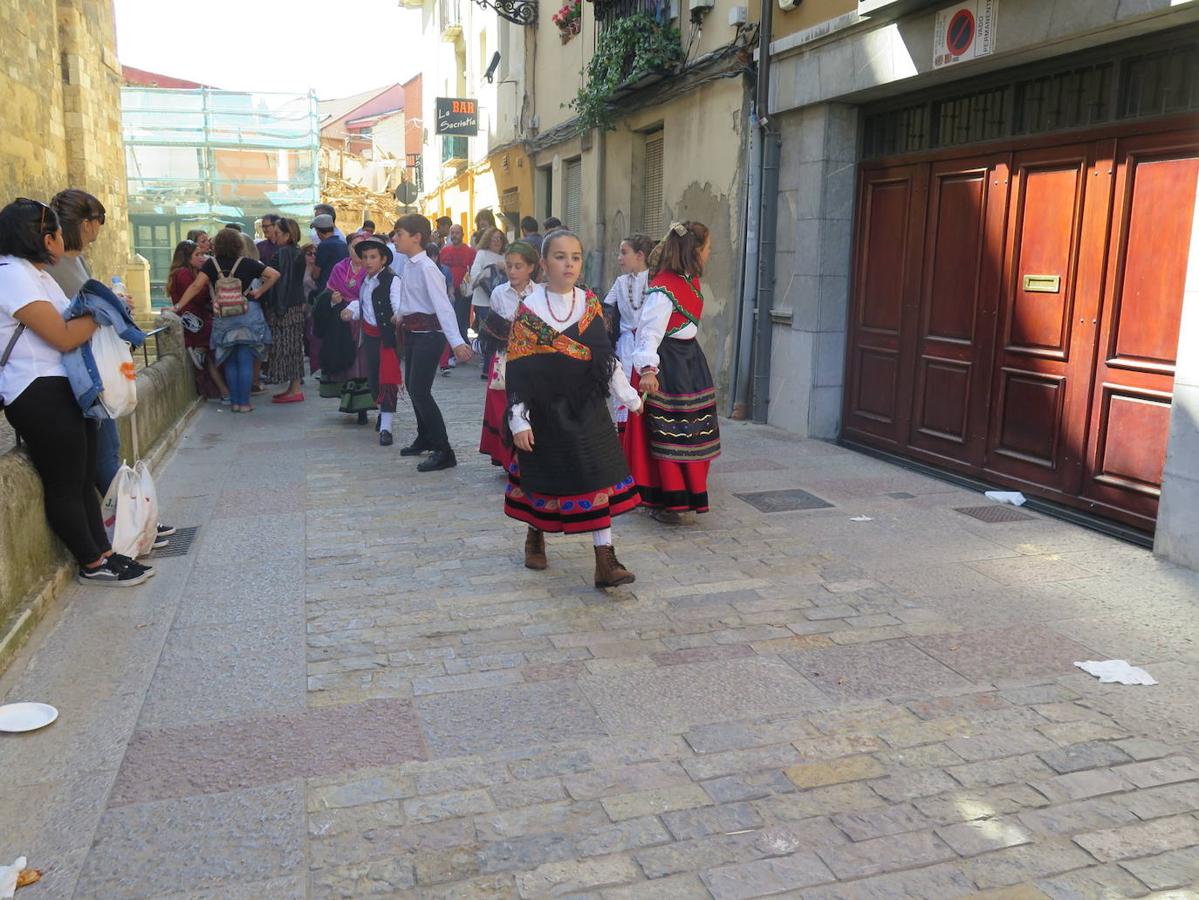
959,34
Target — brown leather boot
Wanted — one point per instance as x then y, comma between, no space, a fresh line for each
609,572
535,550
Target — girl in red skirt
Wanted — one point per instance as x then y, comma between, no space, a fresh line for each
671,446
520,262
569,475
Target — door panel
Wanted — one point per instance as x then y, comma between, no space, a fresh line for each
1038,377
1153,212
890,223
955,324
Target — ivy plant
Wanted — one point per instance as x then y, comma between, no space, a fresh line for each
626,51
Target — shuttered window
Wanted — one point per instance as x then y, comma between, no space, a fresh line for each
652,211
572,194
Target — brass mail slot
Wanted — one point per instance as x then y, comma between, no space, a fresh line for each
1043,284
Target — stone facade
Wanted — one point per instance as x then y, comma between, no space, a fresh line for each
60,124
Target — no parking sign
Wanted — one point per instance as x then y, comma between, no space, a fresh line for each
963,32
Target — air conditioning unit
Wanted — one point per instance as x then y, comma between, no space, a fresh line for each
788,5
700,5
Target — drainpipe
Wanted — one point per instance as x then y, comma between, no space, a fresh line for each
771,151
601,220
742,384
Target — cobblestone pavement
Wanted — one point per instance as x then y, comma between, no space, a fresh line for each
351,687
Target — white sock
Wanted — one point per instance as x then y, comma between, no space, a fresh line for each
603,537
385,421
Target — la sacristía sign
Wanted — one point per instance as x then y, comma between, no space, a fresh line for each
457,116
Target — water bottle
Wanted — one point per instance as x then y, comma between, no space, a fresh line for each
118,287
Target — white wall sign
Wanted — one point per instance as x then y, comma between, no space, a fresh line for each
964,31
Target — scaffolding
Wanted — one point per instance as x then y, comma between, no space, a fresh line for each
204,158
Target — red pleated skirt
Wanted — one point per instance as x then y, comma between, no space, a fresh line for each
495,407
575,514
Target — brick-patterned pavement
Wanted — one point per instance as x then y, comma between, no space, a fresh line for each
350,687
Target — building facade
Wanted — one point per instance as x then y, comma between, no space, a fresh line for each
987,258
61,116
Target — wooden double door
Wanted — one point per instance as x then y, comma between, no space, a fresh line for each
1016,314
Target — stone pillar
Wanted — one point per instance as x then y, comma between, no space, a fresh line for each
1177,536
815,238
137,280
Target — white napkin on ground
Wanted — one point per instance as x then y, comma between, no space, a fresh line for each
8,878
1116,671
1013,497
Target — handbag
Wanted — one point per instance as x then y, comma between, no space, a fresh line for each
117,372
8,351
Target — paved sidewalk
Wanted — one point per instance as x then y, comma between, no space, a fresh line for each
351,687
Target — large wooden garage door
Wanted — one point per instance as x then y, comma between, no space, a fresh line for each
1016,315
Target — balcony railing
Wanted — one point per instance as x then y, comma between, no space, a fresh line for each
609,11
450,13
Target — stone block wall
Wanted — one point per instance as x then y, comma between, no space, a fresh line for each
60,122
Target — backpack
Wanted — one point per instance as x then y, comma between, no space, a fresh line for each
228,295
492,278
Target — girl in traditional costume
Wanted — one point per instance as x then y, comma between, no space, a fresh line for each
670,447
625,300
344,287
569,475
520,262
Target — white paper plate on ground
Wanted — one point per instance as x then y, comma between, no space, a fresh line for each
16,717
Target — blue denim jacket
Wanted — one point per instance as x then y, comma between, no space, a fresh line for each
106,308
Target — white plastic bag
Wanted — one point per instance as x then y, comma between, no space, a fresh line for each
117,372
131,511
148,497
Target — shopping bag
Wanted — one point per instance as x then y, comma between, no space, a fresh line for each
148,500
115,365
122,511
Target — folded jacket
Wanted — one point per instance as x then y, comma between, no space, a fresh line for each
96,300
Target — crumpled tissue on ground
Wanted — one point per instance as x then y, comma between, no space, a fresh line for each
1116,671
1015,498
8,878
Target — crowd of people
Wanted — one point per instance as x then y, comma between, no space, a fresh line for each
590,408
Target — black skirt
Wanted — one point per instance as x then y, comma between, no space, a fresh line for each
681,418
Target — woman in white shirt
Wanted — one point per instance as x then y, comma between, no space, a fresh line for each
626,297
486,273
38,400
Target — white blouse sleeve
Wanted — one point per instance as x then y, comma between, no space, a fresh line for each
613,293
651,329
518,419
396,295
622,392
355,308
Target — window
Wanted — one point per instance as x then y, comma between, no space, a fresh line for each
547,191
651,187
572,194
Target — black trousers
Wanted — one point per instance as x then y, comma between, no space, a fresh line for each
62,446
422,352
462,307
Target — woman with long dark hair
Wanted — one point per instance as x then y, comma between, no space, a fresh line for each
286,304
197,321
37,396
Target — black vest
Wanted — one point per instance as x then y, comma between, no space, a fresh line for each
381,301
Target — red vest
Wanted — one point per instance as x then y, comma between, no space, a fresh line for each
685,297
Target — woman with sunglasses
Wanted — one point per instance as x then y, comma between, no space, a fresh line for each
81,216
38,400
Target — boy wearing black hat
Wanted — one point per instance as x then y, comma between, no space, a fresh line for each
379,303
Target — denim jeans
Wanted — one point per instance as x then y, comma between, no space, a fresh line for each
239,373
108,454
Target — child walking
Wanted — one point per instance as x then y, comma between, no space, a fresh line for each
626,299
671,447
569,475
377,306
520,262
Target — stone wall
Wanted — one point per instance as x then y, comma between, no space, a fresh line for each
60,122
33,564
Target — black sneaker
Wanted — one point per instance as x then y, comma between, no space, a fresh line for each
160,542
438,460
385,438
108,575
414,449
165,530
122,562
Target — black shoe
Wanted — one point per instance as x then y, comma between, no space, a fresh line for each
362,419
446,371
385,439
438,460
108,575
122,562
165,530
414,449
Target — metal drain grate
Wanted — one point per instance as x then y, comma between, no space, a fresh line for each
901,495
994,514
180,543
783,501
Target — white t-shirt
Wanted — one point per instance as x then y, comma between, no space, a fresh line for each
483,259
21,283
